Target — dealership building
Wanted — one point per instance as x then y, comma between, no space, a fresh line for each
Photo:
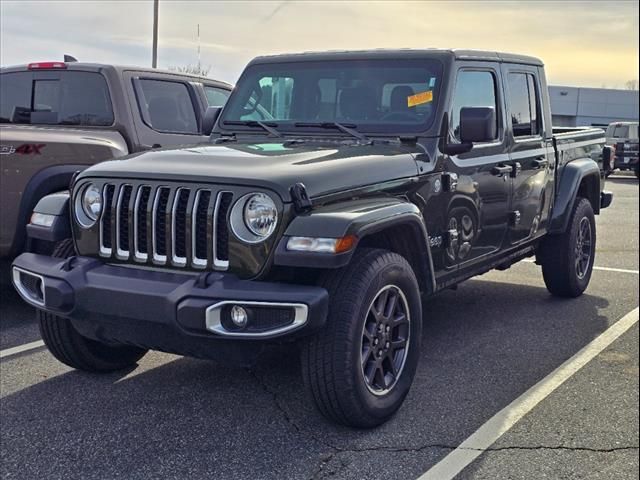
577,106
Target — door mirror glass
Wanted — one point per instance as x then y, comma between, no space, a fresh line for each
477,124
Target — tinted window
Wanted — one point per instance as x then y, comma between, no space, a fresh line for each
621,131
168,106
473,89
524,105
216,97
372,95
69,98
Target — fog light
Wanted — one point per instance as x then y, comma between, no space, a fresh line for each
239,316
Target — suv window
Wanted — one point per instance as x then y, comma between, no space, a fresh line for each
216,97
621,131
69,98
168,106
473,89
523,98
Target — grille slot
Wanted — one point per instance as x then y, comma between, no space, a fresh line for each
140,223
166,225
105,221
221,243
200,228
159,222
179,227
122,222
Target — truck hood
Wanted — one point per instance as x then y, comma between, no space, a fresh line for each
324,168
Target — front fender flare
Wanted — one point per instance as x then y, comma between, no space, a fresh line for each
57,205
361,218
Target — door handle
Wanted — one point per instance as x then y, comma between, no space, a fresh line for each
500,170
540,162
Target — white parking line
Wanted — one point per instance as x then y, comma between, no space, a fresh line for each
604,269
506,418
21,348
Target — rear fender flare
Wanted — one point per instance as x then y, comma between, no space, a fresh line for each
573,175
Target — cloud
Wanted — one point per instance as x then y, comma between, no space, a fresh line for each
582,43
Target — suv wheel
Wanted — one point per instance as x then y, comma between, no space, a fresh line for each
567,259
360,367
71,348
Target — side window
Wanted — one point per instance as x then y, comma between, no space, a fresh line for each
168,106
216,97
473,89
269,100
621,131
523,97
533,102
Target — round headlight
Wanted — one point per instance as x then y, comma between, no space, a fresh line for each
260,215
92,202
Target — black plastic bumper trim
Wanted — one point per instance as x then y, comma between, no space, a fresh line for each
158,309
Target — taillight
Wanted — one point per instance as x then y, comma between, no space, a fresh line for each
46,65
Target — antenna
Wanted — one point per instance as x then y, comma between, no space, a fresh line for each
199,70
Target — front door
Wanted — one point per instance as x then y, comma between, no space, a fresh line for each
530,153
478,212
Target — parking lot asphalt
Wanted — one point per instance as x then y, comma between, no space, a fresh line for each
484,345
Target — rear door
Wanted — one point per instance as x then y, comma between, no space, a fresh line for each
167,110
529,151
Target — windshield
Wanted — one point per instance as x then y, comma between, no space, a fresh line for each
374,96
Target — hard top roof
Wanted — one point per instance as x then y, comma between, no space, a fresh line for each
89,66
477,55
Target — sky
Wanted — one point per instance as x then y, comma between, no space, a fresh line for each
581,43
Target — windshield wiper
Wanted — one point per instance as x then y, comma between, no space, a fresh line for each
256,123
346,128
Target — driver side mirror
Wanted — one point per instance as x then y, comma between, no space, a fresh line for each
478,124
209,119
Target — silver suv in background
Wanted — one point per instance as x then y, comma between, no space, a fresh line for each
623,138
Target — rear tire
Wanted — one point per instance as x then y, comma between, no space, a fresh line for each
567,259
76,351
360,367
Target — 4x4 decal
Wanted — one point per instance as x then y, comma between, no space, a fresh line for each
30,148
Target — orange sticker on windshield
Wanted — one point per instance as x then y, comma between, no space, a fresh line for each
419,98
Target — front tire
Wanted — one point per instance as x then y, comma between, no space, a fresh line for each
76,351
360,367
567,259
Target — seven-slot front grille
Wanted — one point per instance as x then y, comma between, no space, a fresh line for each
166,225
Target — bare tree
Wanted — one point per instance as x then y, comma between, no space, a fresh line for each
631,84
199,70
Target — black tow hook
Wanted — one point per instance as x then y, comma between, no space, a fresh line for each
206,279
67,266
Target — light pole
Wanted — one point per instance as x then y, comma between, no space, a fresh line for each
154,59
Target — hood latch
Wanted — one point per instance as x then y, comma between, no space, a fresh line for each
301,201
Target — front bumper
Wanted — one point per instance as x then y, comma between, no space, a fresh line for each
160,310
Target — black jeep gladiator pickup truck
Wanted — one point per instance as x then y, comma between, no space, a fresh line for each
337,191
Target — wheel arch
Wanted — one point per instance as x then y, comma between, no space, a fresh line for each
46,181
393,224
580,178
